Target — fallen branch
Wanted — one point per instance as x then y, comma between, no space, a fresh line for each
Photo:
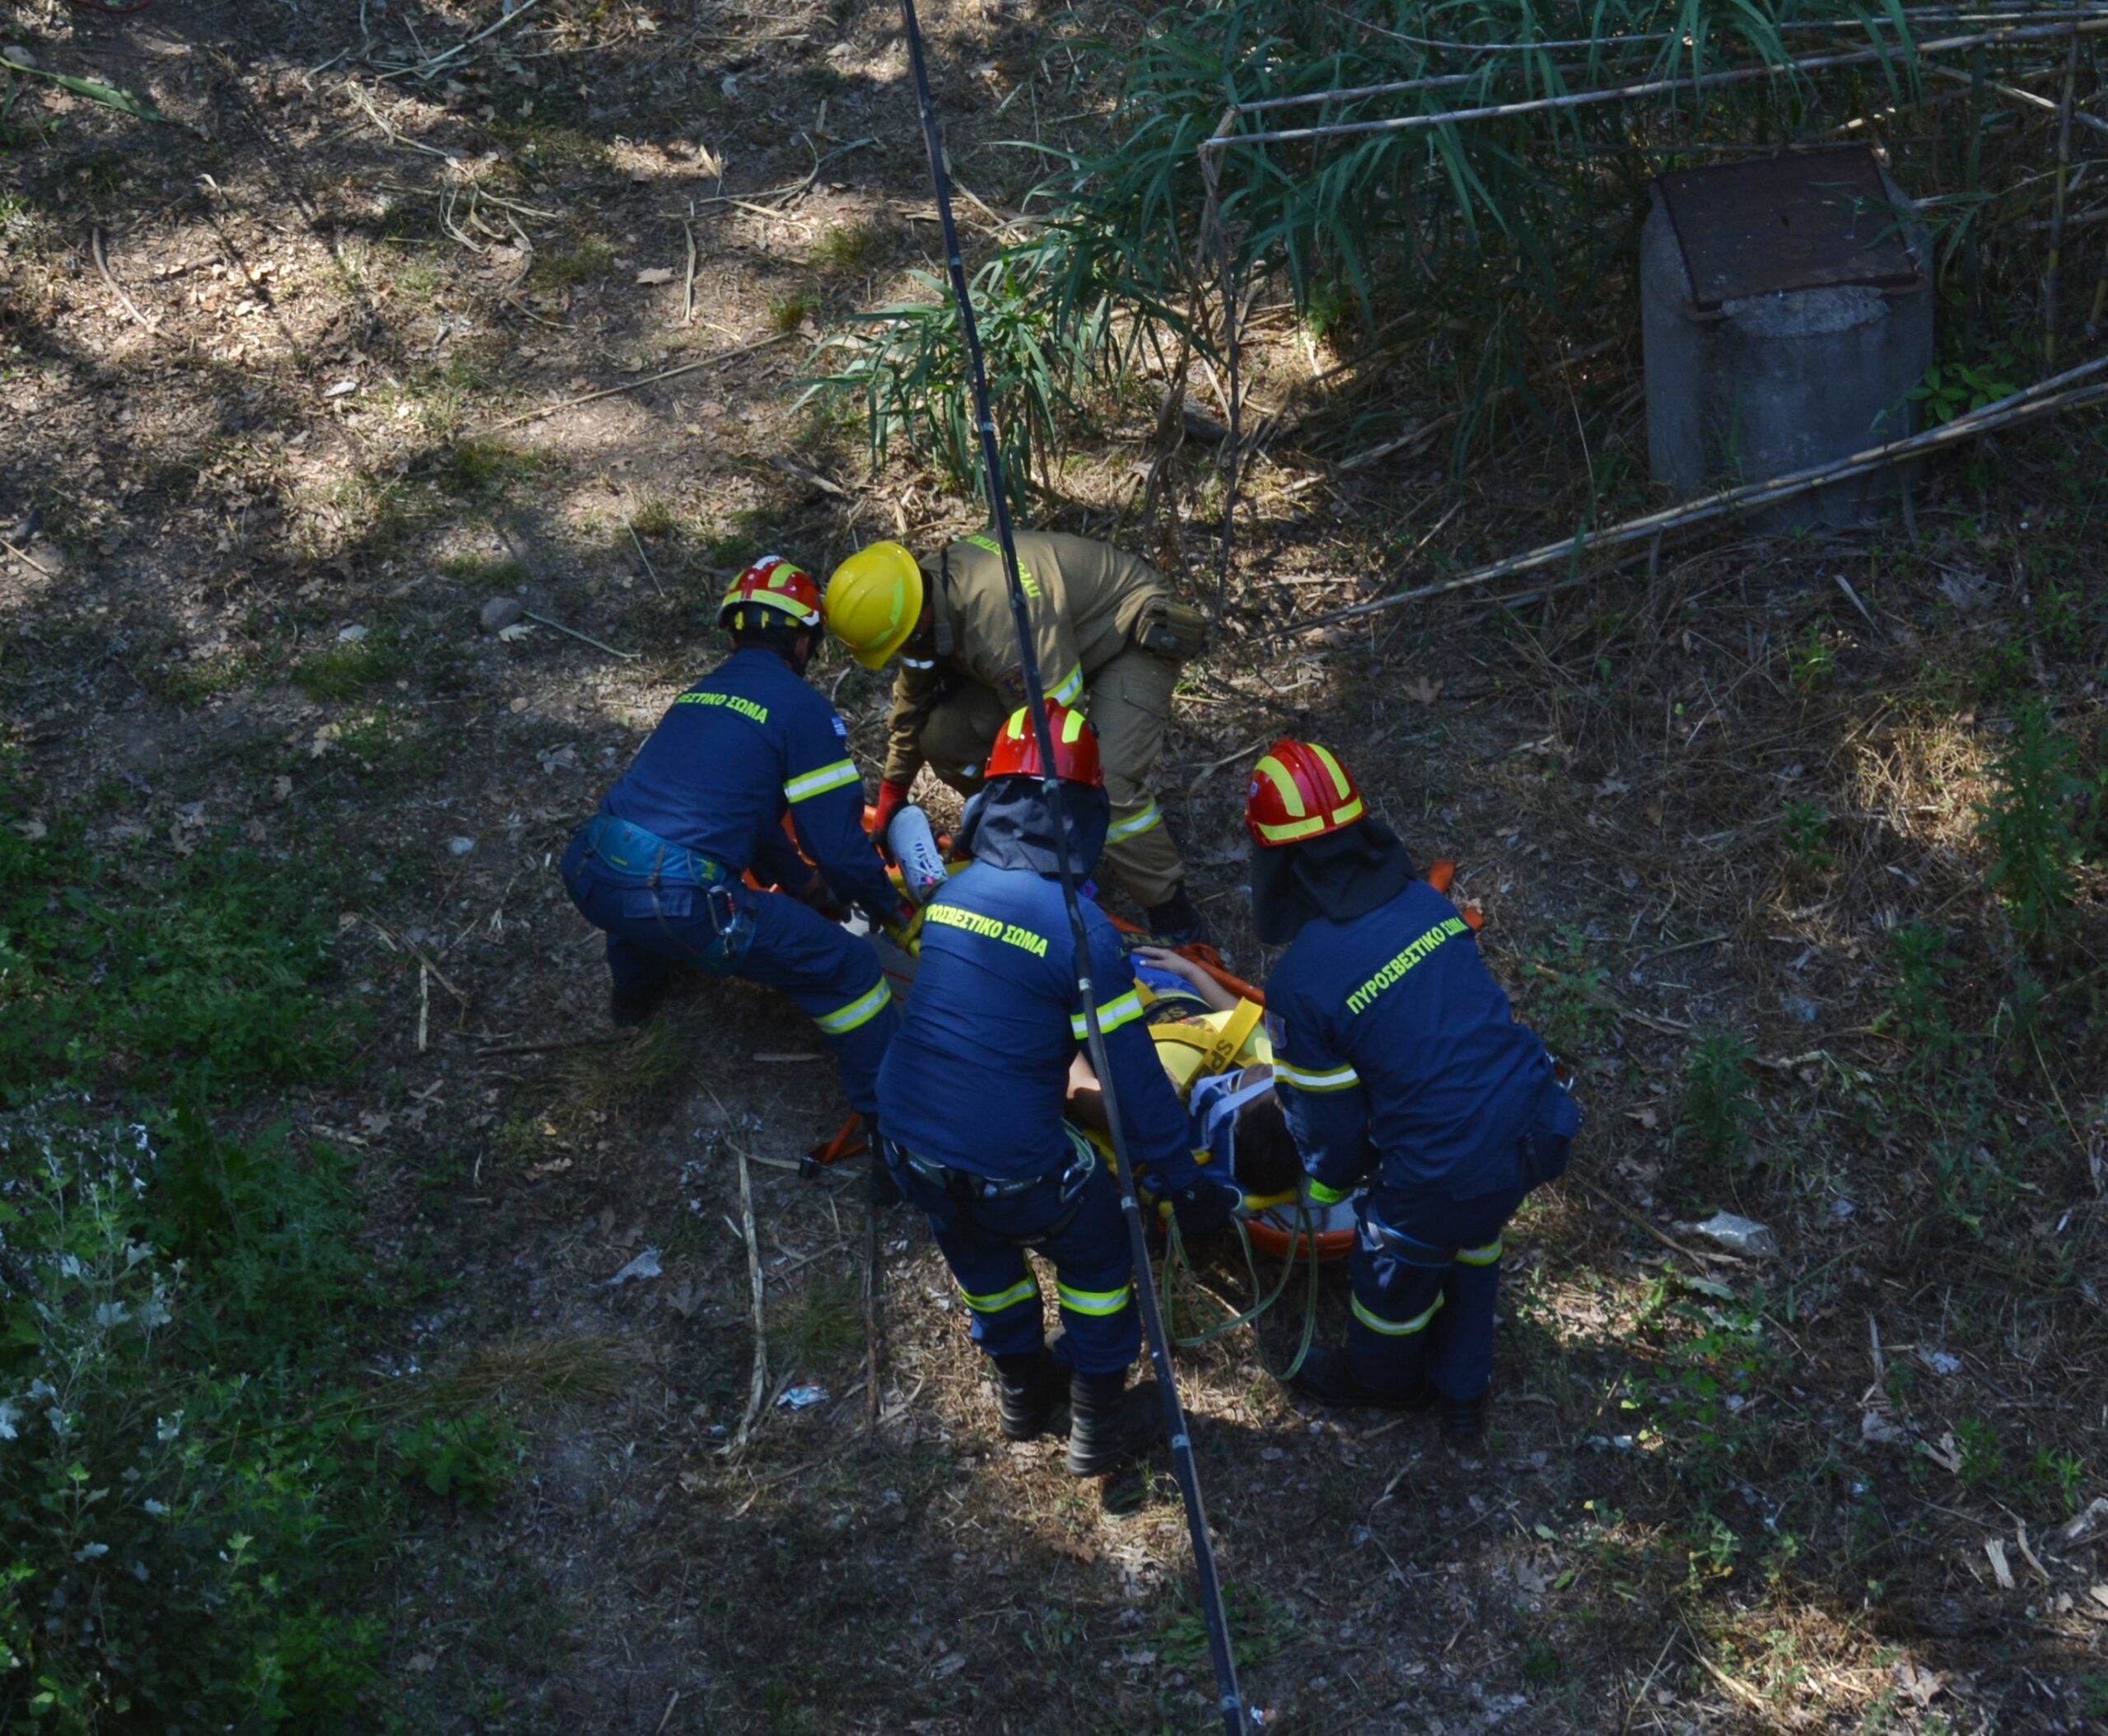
651,572
631,385
551,1048
2059,392
23,554
585,638
427,70
116,289
757,1388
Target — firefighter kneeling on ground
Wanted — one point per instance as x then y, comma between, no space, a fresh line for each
1111,638
659,867
1399,1065
971,1097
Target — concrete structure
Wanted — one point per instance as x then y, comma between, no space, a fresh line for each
1788,310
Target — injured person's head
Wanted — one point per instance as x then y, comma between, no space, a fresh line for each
1238,1115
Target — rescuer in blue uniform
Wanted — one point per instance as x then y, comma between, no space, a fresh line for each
1400,1065
972,1092
659,867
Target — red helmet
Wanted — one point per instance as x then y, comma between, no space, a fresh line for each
771,587
1016,752
1298,790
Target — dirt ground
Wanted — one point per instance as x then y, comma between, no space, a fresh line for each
286,399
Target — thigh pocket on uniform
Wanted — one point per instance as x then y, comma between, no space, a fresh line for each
652,905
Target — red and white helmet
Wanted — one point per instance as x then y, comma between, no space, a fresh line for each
1298,790
772,592
1016,751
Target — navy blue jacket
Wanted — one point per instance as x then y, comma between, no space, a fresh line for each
978,1074
748,740
1397,1056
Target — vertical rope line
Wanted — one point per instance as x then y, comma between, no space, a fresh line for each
1183,1465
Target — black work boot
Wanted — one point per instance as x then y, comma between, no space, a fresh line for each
627,1008
1110,1424
1329,1377
1463,1421
1177,921
1032,1396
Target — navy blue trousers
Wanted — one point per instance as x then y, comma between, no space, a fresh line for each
774,940
983,1241
1425,1273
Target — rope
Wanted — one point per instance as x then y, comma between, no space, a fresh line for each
1177,1261
1184,1466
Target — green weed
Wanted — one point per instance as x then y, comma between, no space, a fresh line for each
2030,821
822,1322
563,270
346,667
848,247
654,516
1952,388
1919,992
1698,1394
483,469
1566,999
1981,1452
1718,1103
470,1459
1813,659
485,573
1808,836
788,313
1260,1627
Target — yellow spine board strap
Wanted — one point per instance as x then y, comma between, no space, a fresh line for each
1218,1049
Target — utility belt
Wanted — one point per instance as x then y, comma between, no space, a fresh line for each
638,853
966,1188
631,849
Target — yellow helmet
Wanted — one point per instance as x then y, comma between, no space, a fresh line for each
874,601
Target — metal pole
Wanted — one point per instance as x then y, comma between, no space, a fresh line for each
1234,1717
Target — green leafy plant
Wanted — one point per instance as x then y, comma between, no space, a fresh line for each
1811,660
158,1540
1047,335
1952,388
471,1459
2030,820
1566,1004
1715,1358
1918,993
1808,835
1718,1103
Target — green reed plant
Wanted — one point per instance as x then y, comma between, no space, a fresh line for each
2032,822
1462,242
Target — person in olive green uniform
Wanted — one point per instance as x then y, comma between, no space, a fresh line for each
1110,636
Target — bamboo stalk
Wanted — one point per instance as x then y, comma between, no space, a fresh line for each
2014,93
1442,81
2059,392
1910,14
1654,87
2057,212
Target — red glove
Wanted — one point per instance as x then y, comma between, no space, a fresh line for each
892,797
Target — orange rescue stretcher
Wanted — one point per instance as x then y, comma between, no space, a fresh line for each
1280,1224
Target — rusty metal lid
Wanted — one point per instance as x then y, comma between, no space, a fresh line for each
1815,220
